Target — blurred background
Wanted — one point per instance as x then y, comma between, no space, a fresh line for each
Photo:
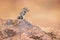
44,13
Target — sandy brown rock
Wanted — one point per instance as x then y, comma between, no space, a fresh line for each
23,30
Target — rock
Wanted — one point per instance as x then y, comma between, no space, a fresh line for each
23,30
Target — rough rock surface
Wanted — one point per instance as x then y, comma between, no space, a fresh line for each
22,30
